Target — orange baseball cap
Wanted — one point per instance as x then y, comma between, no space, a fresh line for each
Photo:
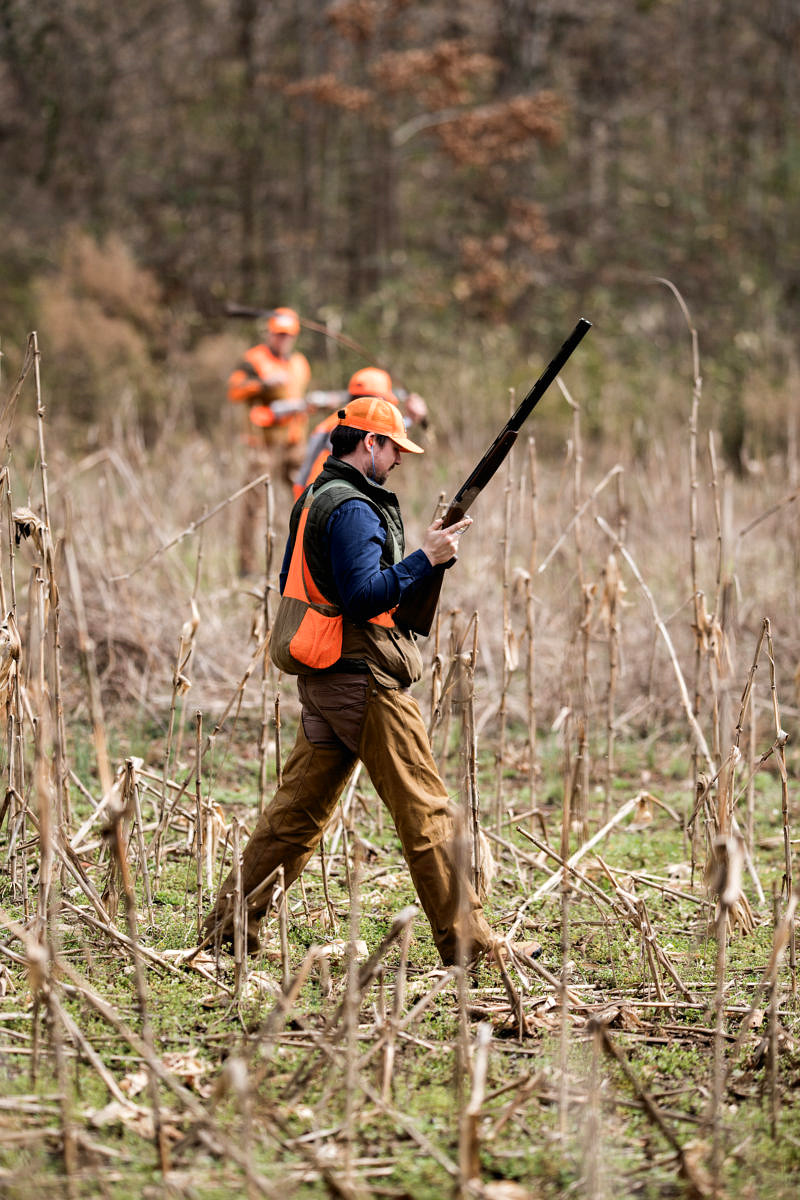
284,320
372,381
373,414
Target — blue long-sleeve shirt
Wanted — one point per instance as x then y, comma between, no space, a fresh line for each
355,538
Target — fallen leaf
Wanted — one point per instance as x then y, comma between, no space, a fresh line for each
186,1066
190,958
590,867
140,1120
643,814
620,1016
214,999
259,983
134,1083
338,949
505,1189
696,1154
386,881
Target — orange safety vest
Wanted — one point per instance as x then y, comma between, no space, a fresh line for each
260,372
308,628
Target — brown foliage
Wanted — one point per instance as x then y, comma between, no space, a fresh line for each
354,20
327,89
503,132
103,322
439,77
496,270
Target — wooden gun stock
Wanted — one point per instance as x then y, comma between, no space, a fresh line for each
417,609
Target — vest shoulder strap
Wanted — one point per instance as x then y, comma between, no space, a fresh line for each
352,493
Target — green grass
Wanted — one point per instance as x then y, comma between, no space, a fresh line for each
535,1144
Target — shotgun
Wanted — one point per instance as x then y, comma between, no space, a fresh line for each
250,313
417,608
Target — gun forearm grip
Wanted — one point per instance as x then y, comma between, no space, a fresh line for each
417,609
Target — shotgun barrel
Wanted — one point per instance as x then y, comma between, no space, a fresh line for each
416,610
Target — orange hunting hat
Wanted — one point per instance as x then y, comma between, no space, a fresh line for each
373,414
372,381
284,320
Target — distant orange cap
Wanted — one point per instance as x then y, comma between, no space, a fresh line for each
372,381
284,320
373,414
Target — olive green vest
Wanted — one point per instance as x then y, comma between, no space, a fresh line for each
390,654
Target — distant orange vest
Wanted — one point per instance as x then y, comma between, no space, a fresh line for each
319,447
262,376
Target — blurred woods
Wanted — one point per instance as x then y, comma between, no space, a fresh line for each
452,184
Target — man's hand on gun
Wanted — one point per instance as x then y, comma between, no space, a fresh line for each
265,415
441,545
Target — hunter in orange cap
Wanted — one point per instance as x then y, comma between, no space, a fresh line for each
284,320
372,381
345,570
270,384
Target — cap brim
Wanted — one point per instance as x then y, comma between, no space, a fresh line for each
407,445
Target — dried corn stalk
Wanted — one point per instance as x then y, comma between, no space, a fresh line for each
28,525
180,680
711,640
724,880
612,597
726,853
10,649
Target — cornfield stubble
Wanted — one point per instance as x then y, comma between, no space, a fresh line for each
640,1055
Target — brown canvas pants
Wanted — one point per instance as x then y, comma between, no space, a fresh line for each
346,718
